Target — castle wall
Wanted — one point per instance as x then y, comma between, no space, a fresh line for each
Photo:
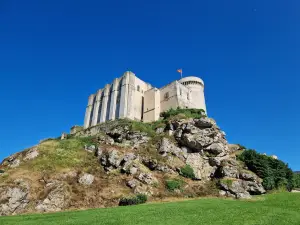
96,108
89,110
151,105
130,97
113,102
139,98
169,97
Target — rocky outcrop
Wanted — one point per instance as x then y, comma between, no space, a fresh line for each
138,161
57,198
201,166
31,154
14,199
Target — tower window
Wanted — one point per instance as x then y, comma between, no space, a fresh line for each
138,88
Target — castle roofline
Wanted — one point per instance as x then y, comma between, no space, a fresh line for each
191,78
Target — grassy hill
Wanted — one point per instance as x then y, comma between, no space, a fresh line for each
272,209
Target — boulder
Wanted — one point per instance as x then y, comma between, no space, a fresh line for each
86,179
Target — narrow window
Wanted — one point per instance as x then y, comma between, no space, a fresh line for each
166,95
138,88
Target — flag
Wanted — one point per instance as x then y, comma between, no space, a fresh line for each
179,70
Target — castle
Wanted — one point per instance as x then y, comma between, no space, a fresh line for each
130,97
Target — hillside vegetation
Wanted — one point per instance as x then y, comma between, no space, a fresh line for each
275,173
274,209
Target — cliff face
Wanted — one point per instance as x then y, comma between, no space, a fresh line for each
98,166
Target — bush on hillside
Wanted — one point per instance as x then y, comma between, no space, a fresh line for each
134,200
275,173
188,113
172,185
297,180
187,171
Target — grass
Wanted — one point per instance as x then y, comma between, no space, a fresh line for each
272,209
59,154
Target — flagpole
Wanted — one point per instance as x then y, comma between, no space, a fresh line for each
181,73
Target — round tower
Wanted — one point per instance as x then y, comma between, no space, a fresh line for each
196,86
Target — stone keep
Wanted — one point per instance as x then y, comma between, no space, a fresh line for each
130,97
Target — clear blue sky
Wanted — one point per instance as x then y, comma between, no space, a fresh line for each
53,54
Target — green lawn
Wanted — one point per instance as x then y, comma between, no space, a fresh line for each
283,208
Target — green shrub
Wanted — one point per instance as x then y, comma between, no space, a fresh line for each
227,182
188,113
143,127
296,179
172,185
134,200
188,172
275,173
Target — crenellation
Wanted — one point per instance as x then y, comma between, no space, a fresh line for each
132,98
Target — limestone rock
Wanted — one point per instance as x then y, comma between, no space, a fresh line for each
137,138
160,130
147,178
201,167
110,160
196,141
13,200
86,179
132,183
166,146
57,199
31,154
245,175
215,148
15,163
241,188
90,148
204,122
